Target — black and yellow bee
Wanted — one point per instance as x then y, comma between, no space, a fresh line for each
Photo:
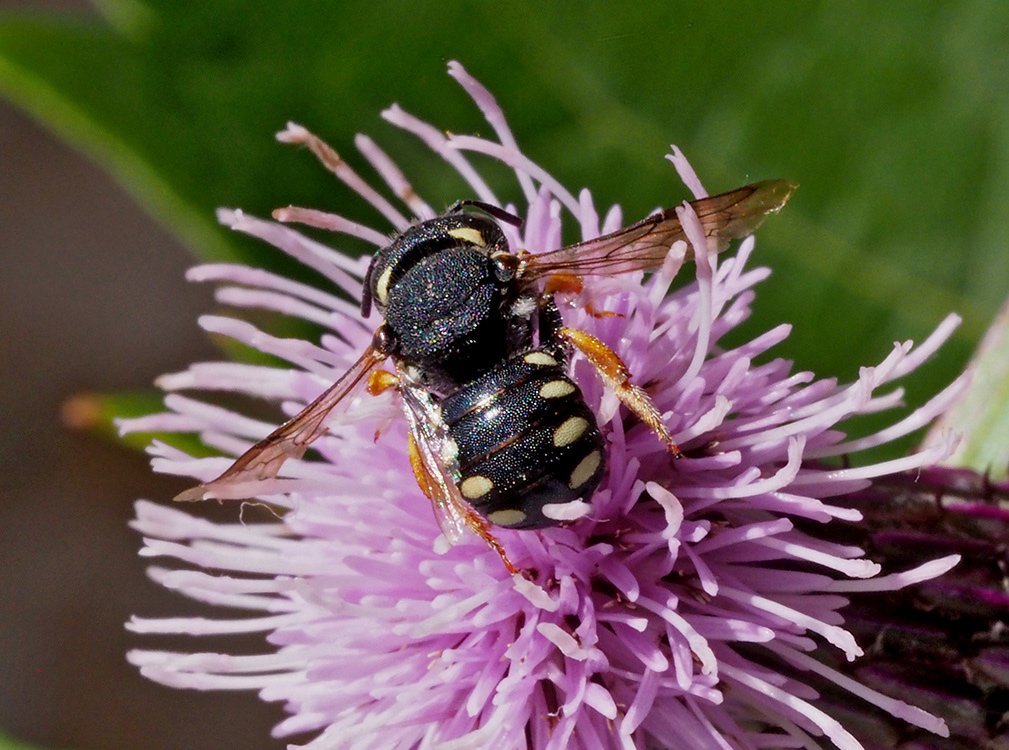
499,432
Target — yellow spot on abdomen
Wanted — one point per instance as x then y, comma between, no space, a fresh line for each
506,517
556,389
584,470
539,358
475,486
570,430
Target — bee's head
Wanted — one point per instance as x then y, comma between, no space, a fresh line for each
454,230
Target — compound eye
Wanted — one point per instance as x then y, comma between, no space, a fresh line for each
384,342
505,266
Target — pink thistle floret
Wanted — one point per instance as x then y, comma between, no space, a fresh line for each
685,607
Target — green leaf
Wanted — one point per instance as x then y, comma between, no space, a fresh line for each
99,412
6,743
892,116
981,416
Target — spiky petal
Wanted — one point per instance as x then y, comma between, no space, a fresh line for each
697,605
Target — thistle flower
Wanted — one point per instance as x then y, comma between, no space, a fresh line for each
695,605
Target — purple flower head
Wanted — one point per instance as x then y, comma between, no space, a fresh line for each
689,605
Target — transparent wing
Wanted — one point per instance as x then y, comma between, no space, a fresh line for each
643,246
434,464
433,456
291,439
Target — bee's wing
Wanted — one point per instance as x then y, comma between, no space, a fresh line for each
291,439
432,454
643,246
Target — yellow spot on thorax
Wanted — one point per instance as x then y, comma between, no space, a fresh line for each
468,234
382,286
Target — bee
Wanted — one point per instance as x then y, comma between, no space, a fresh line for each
499,433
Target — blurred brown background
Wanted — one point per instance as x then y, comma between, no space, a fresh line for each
92,297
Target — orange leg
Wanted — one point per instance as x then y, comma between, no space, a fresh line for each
482,529
381,381
474,520
424,480
616,375
563,283
591,310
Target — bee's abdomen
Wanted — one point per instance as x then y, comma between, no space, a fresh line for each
526,439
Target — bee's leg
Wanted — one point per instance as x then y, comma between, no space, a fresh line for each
591,310
428,486
482,529
615,374
381,381
565,283
556,338
424,479
549,324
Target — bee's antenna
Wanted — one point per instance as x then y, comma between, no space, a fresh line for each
366,292
488,208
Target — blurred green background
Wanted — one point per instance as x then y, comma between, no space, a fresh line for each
893,117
